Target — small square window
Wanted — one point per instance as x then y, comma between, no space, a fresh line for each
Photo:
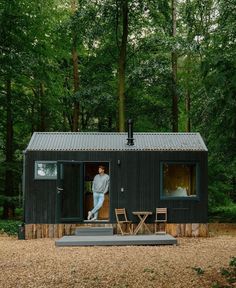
45,170
179,180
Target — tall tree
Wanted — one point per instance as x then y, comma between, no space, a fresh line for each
23,37
76,106
8,211
13,23
214,101
122,63
188,96
174,57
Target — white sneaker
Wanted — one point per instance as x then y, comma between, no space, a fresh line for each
94,219
89,215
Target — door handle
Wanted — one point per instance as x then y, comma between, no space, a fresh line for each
59,190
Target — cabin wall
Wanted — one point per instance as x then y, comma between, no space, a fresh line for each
40,195
141,176
137,172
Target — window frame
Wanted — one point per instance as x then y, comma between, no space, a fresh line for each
38,177
185,198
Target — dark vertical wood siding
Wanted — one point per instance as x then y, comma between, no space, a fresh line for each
138,174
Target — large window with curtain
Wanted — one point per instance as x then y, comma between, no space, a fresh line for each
179,180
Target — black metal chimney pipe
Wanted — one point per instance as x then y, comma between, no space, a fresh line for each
130,133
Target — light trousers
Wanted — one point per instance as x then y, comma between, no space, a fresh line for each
98,199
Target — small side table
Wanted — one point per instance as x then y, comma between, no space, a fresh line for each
142,215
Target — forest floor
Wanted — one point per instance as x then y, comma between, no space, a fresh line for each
194,262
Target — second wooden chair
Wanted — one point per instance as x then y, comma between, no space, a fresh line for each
161,219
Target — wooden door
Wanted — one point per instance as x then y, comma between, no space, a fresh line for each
70,182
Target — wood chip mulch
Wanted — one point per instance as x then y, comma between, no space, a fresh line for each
194,262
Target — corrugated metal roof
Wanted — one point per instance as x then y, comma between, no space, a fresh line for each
100,141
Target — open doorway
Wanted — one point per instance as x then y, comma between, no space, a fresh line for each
90,170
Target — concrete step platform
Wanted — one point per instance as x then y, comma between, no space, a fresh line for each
116,240
94,231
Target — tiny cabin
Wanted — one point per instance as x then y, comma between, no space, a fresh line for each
147,170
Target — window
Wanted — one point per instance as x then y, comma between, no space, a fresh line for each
45,170
179,180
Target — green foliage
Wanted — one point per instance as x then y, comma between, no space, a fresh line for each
18,214
198,270
225,213
10,227
229,274
14,201
232,262
36,42
214,104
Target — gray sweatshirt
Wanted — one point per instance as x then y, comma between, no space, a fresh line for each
101,183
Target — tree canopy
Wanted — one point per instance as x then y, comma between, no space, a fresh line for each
88,65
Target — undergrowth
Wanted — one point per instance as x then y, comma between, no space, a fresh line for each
10,227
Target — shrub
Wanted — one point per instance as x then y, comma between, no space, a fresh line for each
10,227
223,213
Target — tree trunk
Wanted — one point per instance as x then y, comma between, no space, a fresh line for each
188,97
76,106
110,123
187,105
174,74
42,107
8,207
121,68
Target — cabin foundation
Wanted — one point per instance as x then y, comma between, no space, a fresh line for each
36,231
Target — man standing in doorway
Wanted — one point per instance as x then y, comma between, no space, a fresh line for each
99,188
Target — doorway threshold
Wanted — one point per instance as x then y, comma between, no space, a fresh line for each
96,221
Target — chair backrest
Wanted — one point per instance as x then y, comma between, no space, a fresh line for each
162,212
120,214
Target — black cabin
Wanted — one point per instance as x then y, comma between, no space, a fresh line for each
147,170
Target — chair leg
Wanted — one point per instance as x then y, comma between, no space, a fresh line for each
164,228
130,228
158,228
126,230
118,225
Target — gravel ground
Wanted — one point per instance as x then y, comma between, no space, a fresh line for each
38,263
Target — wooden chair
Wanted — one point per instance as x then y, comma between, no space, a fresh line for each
161,219
121,219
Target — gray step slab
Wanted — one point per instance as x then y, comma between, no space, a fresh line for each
116,240
94,231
